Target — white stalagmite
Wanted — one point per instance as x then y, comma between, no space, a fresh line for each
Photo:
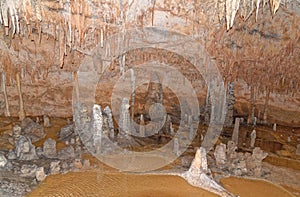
197,175
122,65
124,121
108,112
98,123
274,127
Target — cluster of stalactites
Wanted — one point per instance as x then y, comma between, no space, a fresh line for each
11,10
228,8
31,10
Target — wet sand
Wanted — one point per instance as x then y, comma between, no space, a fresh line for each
254,188
97,183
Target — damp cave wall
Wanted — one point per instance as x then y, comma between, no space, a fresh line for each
261,56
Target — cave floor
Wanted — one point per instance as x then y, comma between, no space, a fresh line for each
101,180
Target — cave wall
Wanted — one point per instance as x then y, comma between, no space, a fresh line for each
263,54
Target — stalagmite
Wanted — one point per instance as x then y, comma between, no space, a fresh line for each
198,175
124,121
298,149
21,111
235,135
190,120
274,127
171,129
76,86
230,101
220,155
7,113
108,112
98,123
46,120
253,138
176,147
122,65
142,126
191,132
265,112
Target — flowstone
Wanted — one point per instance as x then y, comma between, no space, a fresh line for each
199,175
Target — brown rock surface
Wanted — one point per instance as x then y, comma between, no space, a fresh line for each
259,54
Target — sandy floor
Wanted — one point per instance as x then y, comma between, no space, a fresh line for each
253,188
96,183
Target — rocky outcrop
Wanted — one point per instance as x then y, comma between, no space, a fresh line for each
25,150
32,129
49,148
228,160
3,160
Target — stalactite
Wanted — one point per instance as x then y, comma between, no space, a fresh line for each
37,7
274,4
252,106
132,77
23,75
54,33
265,112
76,86
107,50
153,10
4,10
61,46
101,37
257,8
7,113
39,27
21,110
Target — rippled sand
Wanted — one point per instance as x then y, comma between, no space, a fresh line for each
95,183
254,188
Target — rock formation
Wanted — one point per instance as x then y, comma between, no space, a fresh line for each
25,150
238,163
199,175
49,148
